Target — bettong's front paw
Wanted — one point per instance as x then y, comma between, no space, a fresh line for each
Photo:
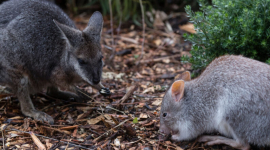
41,116
105,92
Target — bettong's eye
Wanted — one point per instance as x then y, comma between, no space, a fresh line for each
164,114
81,61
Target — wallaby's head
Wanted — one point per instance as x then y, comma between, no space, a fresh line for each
83,50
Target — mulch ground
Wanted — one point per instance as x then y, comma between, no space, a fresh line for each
129,118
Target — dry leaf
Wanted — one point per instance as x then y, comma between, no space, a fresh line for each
151,89
188,27
157,102
95,120
179,148
84,109
166,60
48,144
112,75
157,42
116,142
143,115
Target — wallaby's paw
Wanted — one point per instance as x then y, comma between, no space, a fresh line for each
105,92
41,116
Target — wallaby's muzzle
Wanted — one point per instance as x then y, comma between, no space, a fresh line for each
96,81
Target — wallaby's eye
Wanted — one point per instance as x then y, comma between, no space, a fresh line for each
81,61
164,114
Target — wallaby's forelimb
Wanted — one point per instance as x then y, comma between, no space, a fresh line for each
56,93
27,106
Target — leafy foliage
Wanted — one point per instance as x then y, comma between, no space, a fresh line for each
240,27
129,10
123,10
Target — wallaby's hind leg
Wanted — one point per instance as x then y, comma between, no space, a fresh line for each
27,106
56,93
214,140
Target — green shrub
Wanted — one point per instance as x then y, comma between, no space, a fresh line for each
123,10
240,27
128,10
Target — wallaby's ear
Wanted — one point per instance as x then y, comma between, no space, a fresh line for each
184,76
95,24
177,90
70,34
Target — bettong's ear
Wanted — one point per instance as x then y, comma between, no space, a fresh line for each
184,76
70,34
95,25
177,90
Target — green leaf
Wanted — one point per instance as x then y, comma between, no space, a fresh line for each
229,27
135,120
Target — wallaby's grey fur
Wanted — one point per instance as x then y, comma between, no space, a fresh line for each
232,96
41,47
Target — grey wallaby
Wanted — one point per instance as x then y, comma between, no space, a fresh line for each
232,97
40,47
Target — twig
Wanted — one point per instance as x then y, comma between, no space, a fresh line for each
76,142
94,132
127,39
134,141
79,90
3,129
116,110
58,130
49,138
160,59
120,20
37,141
161,33
96,139
143,25
196,141
101,110
3,140
113,44
127,95
67,146
69,127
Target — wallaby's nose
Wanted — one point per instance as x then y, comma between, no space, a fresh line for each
96,81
